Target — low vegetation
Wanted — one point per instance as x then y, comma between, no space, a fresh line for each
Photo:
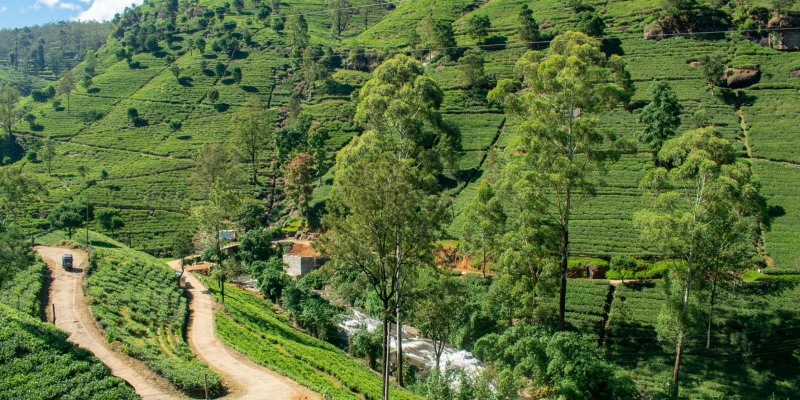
251,327
135,300
298,116
39,363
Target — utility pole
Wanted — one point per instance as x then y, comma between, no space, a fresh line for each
87,223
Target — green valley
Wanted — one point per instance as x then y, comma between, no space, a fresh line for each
595,199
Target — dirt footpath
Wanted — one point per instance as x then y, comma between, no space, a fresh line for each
255,381
73,315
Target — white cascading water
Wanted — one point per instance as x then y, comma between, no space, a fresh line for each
414,346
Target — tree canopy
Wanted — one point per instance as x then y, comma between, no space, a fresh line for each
561,149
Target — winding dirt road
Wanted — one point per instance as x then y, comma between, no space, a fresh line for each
255,381
72,315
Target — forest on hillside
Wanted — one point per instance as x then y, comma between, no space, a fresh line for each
598,200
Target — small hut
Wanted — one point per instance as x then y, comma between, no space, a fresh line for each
301,259
228,234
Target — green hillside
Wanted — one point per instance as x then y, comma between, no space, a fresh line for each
135,132
39,363
136,303
151,161
251,327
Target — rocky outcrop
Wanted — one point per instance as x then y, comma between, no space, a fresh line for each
742,78
654,32
785,40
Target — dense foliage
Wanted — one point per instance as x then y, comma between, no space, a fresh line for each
136,302
39,363
190,73
251,327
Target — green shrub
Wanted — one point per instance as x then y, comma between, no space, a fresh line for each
39,363
136,301
251,328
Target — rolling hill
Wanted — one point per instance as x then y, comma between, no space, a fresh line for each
150,161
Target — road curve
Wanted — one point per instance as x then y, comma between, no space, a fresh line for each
66,295
256,382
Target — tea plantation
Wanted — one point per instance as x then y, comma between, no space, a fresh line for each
251,327
38,361
136,302
162,88
151,160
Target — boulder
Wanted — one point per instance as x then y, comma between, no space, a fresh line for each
786,40
654,32
742,78
795,74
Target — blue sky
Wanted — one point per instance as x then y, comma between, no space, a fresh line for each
19,13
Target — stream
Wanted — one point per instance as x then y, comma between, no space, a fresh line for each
415,347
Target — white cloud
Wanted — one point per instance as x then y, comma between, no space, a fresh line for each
104,10
69,6
3,9
49,3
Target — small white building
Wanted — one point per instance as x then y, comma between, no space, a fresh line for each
301,259
227,235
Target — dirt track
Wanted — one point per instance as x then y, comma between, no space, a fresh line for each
72,315
255,381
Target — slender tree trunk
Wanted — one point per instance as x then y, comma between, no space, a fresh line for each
385,358
562,294
688,281
711,311
676,371
484,261
1,283
255,171
438,352
398,306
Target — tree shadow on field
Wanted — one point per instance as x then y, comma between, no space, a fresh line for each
250,89
186,81
468,175
753,337
227,81
222,107
639,285
93,90
612,46
447,182
737,98
776,211
495,43
103,243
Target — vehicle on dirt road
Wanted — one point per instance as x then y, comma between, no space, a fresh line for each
66,261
